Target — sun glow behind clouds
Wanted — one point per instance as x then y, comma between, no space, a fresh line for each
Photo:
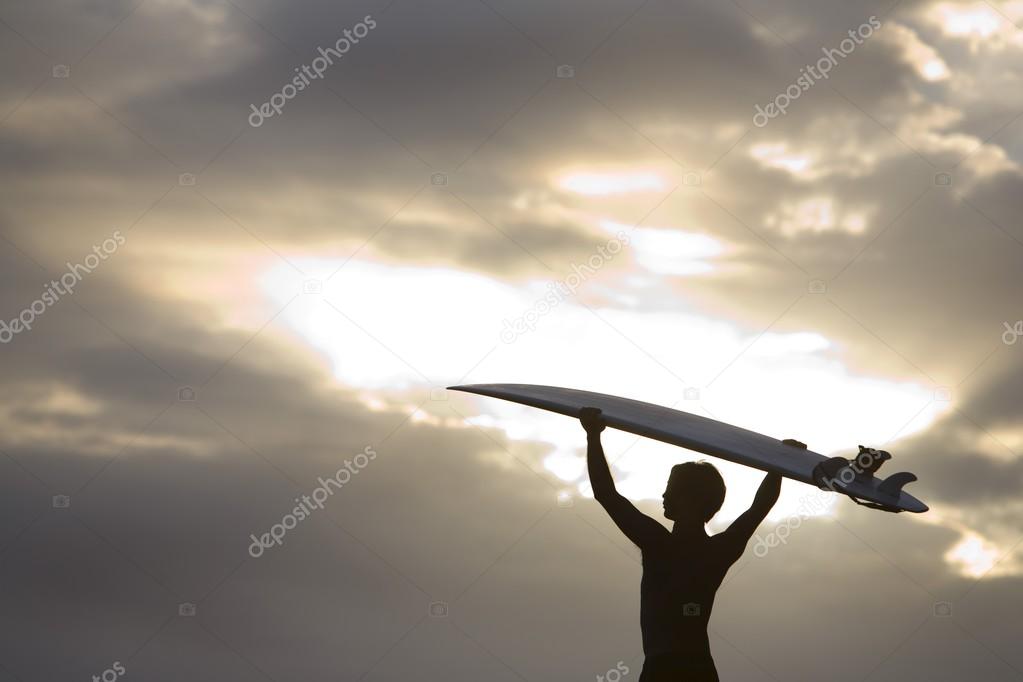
394,328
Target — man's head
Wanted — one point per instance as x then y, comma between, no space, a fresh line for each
694,490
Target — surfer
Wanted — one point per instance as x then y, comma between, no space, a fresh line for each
682,569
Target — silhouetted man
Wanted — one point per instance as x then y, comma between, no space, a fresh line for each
681,569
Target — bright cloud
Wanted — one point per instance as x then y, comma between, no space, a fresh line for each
925,59
977,19
778,155
667,251
973,555
612,182
815,214
980,24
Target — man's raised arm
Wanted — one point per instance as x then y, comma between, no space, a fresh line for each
636,525
742,528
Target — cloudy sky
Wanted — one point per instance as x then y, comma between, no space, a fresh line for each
218,287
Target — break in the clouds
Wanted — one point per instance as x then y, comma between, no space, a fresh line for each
448,205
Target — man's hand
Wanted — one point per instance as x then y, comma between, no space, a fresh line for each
592,420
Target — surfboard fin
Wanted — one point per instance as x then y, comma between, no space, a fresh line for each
893,484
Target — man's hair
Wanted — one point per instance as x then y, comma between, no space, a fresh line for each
701,483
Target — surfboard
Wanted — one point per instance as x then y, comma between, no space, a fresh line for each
788,457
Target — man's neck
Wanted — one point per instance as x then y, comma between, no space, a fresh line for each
689,528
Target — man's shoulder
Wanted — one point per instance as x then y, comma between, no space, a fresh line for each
658,542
